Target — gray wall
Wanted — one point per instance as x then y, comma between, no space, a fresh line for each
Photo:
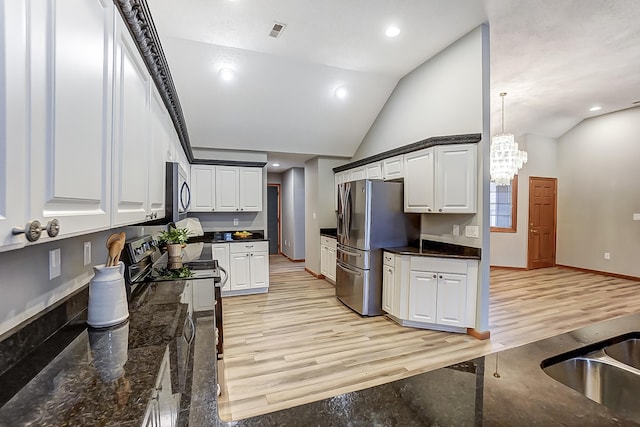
510,249
320,212
598,193
293,213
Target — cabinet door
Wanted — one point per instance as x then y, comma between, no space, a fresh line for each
159,145
393,167
324,260
418,181
70,107
456,178
452,299
226,188
239,271
251,189
374,171
220,252
259,263
331,263
131,141
203,188
13,122
203,295
423,290
357,174
388,289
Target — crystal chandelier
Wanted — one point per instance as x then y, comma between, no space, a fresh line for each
506,158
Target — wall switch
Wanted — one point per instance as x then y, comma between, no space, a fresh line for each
235,221
54,263
607,255
314,215
636,216
456,230
471,231
87,253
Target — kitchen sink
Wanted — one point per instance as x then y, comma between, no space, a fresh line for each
627,352
607,372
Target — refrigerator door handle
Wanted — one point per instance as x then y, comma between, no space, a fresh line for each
339,249
347,211
347,269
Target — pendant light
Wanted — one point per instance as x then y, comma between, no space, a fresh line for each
506,158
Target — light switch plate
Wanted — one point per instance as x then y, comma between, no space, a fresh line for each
54,263
471,231
235,221
456,230
636,216
87,253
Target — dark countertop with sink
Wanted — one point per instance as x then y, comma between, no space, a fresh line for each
73,388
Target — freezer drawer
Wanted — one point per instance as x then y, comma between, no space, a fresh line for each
352,256
355,289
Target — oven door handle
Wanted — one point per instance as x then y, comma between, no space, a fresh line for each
348,270
226,276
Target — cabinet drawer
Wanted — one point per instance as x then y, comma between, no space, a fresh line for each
249,246
328,241
388,259
441,265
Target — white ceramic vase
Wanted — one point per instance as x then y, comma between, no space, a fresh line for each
107,297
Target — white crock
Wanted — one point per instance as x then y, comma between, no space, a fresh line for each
107,297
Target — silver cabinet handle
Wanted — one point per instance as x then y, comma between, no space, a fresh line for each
31,231
53,227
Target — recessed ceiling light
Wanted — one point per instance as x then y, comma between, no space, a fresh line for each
275,165
596,108
341,92
226,74
392,31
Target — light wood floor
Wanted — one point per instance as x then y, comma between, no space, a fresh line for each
299,344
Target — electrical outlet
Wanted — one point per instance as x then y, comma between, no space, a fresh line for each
607,255
235,221
54,263
87,253
456,230
471,231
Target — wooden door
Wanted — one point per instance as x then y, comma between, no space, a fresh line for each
542,222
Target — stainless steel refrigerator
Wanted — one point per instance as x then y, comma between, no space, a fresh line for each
370,216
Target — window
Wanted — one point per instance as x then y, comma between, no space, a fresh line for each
503,206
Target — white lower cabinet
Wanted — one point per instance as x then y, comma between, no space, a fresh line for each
204,298
220,251
248,268
328,258
432,293
163,407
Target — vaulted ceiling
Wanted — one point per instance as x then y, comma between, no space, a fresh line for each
554,58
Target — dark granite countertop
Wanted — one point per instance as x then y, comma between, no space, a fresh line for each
107,376
437,249
329,232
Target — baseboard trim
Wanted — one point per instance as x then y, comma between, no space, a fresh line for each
602,273
314,274
500,267
481,335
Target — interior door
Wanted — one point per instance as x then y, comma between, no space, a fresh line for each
542,222
273,218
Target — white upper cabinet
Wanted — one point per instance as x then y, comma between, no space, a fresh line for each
250,189
13,122
456,174
393,167
227,188
441,179
373,170
159,145
132,132
419,194
70,108
203,179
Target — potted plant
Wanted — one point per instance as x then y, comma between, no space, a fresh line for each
174,238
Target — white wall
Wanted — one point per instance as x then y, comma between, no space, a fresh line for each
293,213
598,193
443,96
510,249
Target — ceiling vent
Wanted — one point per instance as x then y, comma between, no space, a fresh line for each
277,29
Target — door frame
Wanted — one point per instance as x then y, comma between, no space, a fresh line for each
555,219
279,187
